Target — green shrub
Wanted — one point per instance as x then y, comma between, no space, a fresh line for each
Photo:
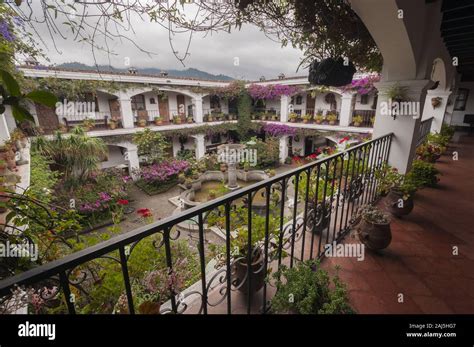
448,131
306,289
423,174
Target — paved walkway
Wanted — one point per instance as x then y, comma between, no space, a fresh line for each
419,263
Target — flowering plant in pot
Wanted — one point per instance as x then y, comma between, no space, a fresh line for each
113,124
88,124
357,120
429,152
190,119
293,117
306,118
373,227
158,120
319,118
332,119
397,189
142,122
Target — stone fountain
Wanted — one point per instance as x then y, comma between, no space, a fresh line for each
230,155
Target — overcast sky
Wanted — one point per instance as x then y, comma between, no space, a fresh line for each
257,55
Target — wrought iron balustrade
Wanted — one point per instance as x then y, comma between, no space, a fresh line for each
300,212
424,130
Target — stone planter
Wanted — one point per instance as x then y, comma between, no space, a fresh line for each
374,236
257,274
395,204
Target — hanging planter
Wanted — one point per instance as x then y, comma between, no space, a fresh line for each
436,102
331,72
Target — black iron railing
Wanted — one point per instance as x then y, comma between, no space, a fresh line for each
284,219
424,130
368,117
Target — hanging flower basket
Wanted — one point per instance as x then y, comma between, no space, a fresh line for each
436,102
331,72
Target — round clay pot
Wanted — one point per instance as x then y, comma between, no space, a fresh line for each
257,275
392,204
374,236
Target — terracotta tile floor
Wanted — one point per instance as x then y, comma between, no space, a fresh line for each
419,263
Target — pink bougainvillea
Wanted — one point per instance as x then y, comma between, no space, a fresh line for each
363,85
271,92
163,171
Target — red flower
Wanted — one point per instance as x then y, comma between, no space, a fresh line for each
122,202
144,212
344,139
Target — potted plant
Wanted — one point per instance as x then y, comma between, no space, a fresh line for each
209,118
319,118
436,101
190,119
311,289
88,124
357,120
176,119
158,120
372,120
429,152
275,117
271,172
263,116
113,124
373,227
306,118
293,117
332,119
142,122
397,93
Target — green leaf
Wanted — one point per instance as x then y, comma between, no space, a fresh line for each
42,97
21,114
10,83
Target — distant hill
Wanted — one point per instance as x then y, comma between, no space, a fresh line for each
190,72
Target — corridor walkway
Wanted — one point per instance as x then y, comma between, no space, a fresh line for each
421,262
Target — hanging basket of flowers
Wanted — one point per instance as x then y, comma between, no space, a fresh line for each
331,72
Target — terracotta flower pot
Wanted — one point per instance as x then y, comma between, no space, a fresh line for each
395,205
158,122
374,236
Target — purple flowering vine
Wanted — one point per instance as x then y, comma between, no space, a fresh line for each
271,92
5,31
278,130
163,171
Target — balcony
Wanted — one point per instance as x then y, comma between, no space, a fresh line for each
294,225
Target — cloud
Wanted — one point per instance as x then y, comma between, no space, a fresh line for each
257,55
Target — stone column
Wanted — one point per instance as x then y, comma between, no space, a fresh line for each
198,116
131,156
127,114
283,148
4,132
404,127
437,113
284,108
200,146
345,116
